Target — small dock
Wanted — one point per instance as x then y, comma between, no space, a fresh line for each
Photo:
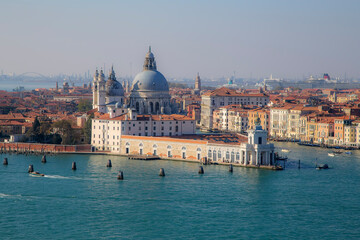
143,157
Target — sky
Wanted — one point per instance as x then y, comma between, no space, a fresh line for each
255,38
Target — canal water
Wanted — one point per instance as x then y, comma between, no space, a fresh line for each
91,203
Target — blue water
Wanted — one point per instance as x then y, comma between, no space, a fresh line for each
91,203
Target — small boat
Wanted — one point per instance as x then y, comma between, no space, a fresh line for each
285,150
348,152
337,152
37,174
331,154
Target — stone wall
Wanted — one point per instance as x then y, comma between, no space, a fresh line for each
37,147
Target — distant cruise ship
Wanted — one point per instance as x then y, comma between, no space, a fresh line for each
311,82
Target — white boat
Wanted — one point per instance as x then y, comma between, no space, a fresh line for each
285,150
348,153
331,154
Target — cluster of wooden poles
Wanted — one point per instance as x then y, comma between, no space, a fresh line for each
120,175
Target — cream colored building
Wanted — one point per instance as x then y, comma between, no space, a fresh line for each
279,121
295,125
107,130
223,97
350,135
232,118
238,149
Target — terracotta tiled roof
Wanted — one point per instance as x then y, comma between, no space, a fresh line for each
223,91
232,139
175,117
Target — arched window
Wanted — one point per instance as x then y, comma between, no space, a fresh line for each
168,147
198,149
209,153
127,148
232,156
151,107
157,107
140,148
183,152
237,156
227,155
214,155
154,149
219,154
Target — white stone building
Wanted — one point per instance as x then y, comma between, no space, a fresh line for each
279,121
256,151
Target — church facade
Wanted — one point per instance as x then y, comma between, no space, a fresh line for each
107,94
149,92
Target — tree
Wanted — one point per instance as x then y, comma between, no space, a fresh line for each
34,132
63,127
84,105
87,129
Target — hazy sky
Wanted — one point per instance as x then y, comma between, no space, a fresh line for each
253,38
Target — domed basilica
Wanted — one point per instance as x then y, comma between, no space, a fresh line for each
149,93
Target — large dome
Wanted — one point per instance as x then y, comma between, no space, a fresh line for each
114,88
150,80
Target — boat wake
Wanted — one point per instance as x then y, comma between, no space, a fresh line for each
3,195
56,177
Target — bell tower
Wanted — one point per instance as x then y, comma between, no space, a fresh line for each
95,89
197,88
101,92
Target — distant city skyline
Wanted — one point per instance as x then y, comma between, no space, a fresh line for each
289,39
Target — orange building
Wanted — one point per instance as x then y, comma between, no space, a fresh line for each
263,114
339,126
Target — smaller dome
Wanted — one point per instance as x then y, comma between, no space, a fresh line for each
114,88
149,55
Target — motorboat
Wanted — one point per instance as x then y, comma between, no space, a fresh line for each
37,174
285,150
348,152
331,154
